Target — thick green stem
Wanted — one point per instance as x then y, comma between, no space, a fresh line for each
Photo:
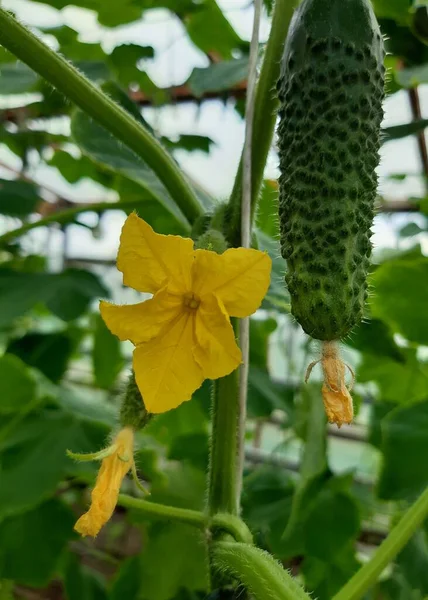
222,487
226,523
264,115
367,576
161,511
69,81
257,570
65,216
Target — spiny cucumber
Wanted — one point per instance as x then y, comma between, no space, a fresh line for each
331,90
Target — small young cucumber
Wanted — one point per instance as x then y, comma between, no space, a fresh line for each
331,90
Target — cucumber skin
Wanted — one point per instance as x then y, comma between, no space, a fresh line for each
331,89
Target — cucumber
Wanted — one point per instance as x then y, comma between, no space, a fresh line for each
331,90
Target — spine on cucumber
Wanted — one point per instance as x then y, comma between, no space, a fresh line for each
331,90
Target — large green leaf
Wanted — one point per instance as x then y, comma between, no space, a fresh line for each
412,76
32,543
67,294
17,386
401,290
404,447
393,9
313,470
326,578
16,78
208,28
375,338
218,77
400,131
398,381
33,458
126,584
104,149
81,583
331,524
18,198
48,352
188,569
266,501
106,355
124,60
413,562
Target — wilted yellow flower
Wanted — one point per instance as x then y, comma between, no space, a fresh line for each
183,334
335,393
118,459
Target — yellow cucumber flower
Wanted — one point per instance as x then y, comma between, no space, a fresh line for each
117,460
183,334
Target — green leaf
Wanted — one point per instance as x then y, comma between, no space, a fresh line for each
81,583
266,503
17,387
400,131
16,78
404,444
48,352
72,48
218,76
325,578
124,60
413,562
412,77
18,198
73,291
66,294
401,382
180,569
87,405
375,338
104,149
74,169
398,10
127,582
266,395
331,525
410,230
32,543
33,459
209,29
192,448
400,300
313,470
189,143
106,355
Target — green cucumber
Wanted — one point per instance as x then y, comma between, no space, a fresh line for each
331,90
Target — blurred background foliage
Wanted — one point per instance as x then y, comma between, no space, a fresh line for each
320,499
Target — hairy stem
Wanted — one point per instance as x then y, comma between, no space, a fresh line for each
257,570
222,484
69,81
226,523
264,115
65,216
367,576
161,511
246,226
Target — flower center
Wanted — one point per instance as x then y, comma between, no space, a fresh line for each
191,301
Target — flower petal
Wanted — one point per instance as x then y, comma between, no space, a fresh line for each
216,351
239,278
141,322
105,493
166,371
148,259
